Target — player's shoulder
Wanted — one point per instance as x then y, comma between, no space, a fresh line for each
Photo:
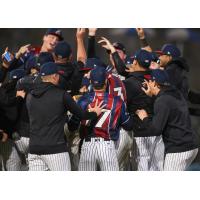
86,98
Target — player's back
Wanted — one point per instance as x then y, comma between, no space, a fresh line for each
116,86
108,123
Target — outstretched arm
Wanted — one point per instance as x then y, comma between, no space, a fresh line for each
91,51
118,62
81,52
143,41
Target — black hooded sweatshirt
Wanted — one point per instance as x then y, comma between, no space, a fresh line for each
177,69
47,106
171,119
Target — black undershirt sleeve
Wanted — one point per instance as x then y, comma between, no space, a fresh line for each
119,64
91,52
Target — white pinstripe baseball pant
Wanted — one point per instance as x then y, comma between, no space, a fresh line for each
98,152
179,161
146,157
49,162
10,160
123,148
158,153
23,145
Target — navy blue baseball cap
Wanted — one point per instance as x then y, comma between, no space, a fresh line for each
45,57
38,61
55,31
49,69
155,57
32,63
160,76
143,57
119,46
62,50
85,82
16,74
91,63
170,50
129,60
98,77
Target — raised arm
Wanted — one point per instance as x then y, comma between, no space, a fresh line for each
81,52
143,42
118,62
91,51
5,64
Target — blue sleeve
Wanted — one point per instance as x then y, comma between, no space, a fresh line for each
126,120
75,120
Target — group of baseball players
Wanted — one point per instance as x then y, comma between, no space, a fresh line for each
60,114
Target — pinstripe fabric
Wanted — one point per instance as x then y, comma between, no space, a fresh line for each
51,162
124,145
23,145
101,153
145,146
10,158
179,161
157,158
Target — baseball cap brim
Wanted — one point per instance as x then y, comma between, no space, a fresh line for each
85,69
59,36
159,52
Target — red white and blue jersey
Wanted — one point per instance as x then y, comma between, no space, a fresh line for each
109,122
116,87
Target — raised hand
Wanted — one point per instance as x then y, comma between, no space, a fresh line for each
92,31
140,32
80,33
24,49
105,43
6,63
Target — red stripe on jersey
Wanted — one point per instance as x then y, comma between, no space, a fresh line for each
116,113
116,87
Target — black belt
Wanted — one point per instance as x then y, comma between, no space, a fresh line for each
96,139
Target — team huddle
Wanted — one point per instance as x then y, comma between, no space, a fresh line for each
60,114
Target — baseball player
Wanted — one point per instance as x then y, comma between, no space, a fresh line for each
9,105
98,148
136,98
114,87
171,119
47,106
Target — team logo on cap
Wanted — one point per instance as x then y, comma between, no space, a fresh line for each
146,61
58,32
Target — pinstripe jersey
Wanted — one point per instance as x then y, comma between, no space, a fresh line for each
108,123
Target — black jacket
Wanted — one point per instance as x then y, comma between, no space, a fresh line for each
47,106
9,107
177,70
71,77
171,119
137,99
3,73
